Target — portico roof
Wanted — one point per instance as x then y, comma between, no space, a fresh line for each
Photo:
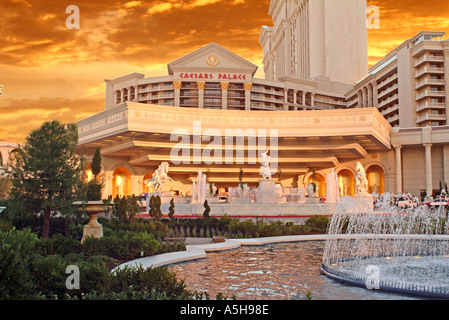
142,135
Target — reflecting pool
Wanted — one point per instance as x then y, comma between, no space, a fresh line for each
272,272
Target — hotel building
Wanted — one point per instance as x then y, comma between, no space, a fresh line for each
320,101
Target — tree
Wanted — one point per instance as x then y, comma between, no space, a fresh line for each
157,205
152,207
171,210
206,210
133,207
96,163
47,173
94,187
5,186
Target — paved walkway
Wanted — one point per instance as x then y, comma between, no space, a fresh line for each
197,248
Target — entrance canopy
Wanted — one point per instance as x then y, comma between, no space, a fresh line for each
225,141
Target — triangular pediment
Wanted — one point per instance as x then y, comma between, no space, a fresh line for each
212,58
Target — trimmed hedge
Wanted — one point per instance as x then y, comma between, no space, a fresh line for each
32,268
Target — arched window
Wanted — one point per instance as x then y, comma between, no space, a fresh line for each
320,184
121,183
346,183
12,158
145,187
376,179
88,176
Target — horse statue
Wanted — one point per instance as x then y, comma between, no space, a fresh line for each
361,182
160,177
265,171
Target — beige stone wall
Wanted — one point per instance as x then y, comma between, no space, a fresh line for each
446,164
414,171
437,167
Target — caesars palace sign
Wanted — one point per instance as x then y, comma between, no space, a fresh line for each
213,76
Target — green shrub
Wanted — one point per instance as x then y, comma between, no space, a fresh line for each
171,209
206,210
58,244
93,192
124,245
49,275
139,280
317,224
16,254
5,225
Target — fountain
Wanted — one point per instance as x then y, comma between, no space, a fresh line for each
332,188
386,248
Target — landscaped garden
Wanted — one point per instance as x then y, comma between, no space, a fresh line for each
41,230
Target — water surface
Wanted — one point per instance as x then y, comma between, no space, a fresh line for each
272,272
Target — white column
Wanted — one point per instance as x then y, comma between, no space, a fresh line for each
194,193
429,186
201,85
287,43
107,190
136,185
224,95
177,88
364,98
115,97
248,86
370,95
286,99
375,95
398,169
295,99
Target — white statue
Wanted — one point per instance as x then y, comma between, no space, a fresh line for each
361,182
332,189
199,188
265,168
160,177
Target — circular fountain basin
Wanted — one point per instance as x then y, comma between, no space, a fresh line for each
389,249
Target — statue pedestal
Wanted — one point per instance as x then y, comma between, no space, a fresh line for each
213,200
267,192
364,203
166,197
313,200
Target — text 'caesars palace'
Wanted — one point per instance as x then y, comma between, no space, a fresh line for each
319,108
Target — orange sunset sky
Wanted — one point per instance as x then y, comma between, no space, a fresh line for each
52,73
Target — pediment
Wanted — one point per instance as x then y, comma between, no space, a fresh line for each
212,58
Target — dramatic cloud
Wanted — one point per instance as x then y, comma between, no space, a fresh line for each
51,72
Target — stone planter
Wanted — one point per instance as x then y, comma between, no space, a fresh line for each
93,229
